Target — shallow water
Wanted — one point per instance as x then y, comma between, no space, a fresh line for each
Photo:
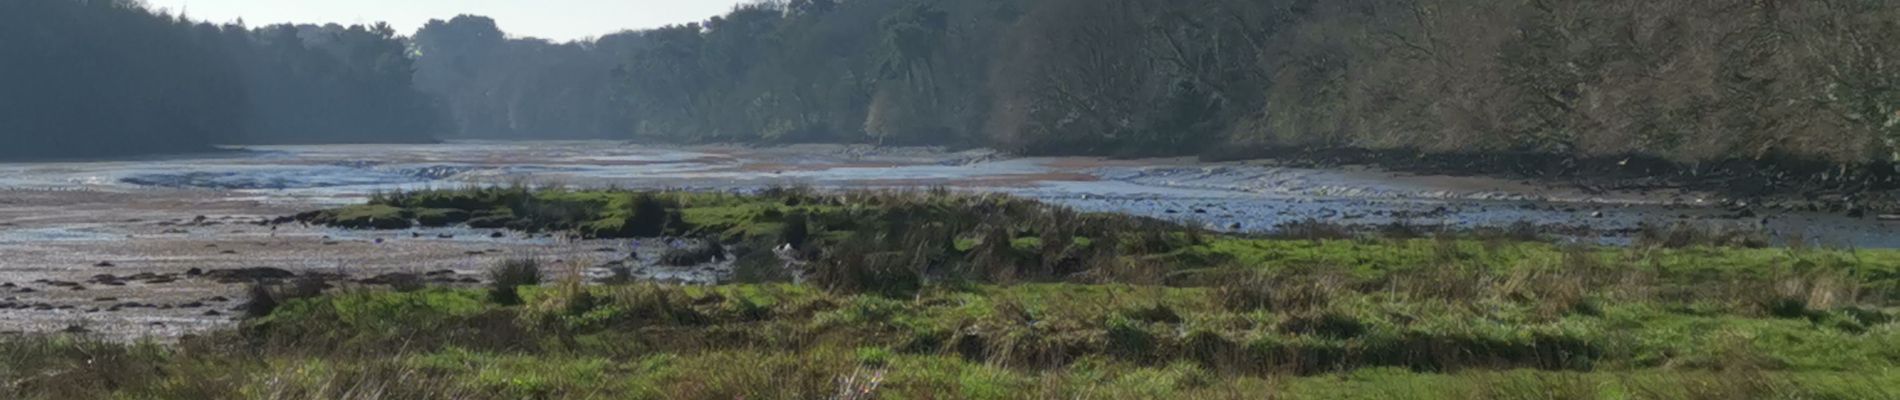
75,221
1250,197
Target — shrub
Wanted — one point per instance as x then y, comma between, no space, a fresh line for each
888,274
261,303
265,298
795,231
648,217
509,275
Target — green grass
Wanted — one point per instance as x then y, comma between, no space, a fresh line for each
1064,306
1037,340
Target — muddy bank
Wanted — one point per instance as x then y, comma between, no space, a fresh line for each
60,220
1777,182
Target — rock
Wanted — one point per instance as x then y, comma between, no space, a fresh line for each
104,264
496,235
249,274
392,278
194,272
212,313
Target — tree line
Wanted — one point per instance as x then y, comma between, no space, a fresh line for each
1679,80
108,77
1686,81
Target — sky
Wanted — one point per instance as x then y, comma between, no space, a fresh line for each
560,20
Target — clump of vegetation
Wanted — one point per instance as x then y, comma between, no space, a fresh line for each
796,231
264,298
934,291
508,276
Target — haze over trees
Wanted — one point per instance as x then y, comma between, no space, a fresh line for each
1679,80
501,87
101,78
97,78
1683,81
330,84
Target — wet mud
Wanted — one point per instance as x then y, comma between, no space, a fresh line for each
134,248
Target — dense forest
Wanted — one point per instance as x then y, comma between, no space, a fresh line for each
1685,81
102,78
331,84
501,87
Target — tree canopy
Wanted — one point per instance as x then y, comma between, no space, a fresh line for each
103,78
1681,80
1687,81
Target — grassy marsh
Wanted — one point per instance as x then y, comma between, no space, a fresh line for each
951,296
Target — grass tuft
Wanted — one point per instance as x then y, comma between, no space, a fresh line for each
508,276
